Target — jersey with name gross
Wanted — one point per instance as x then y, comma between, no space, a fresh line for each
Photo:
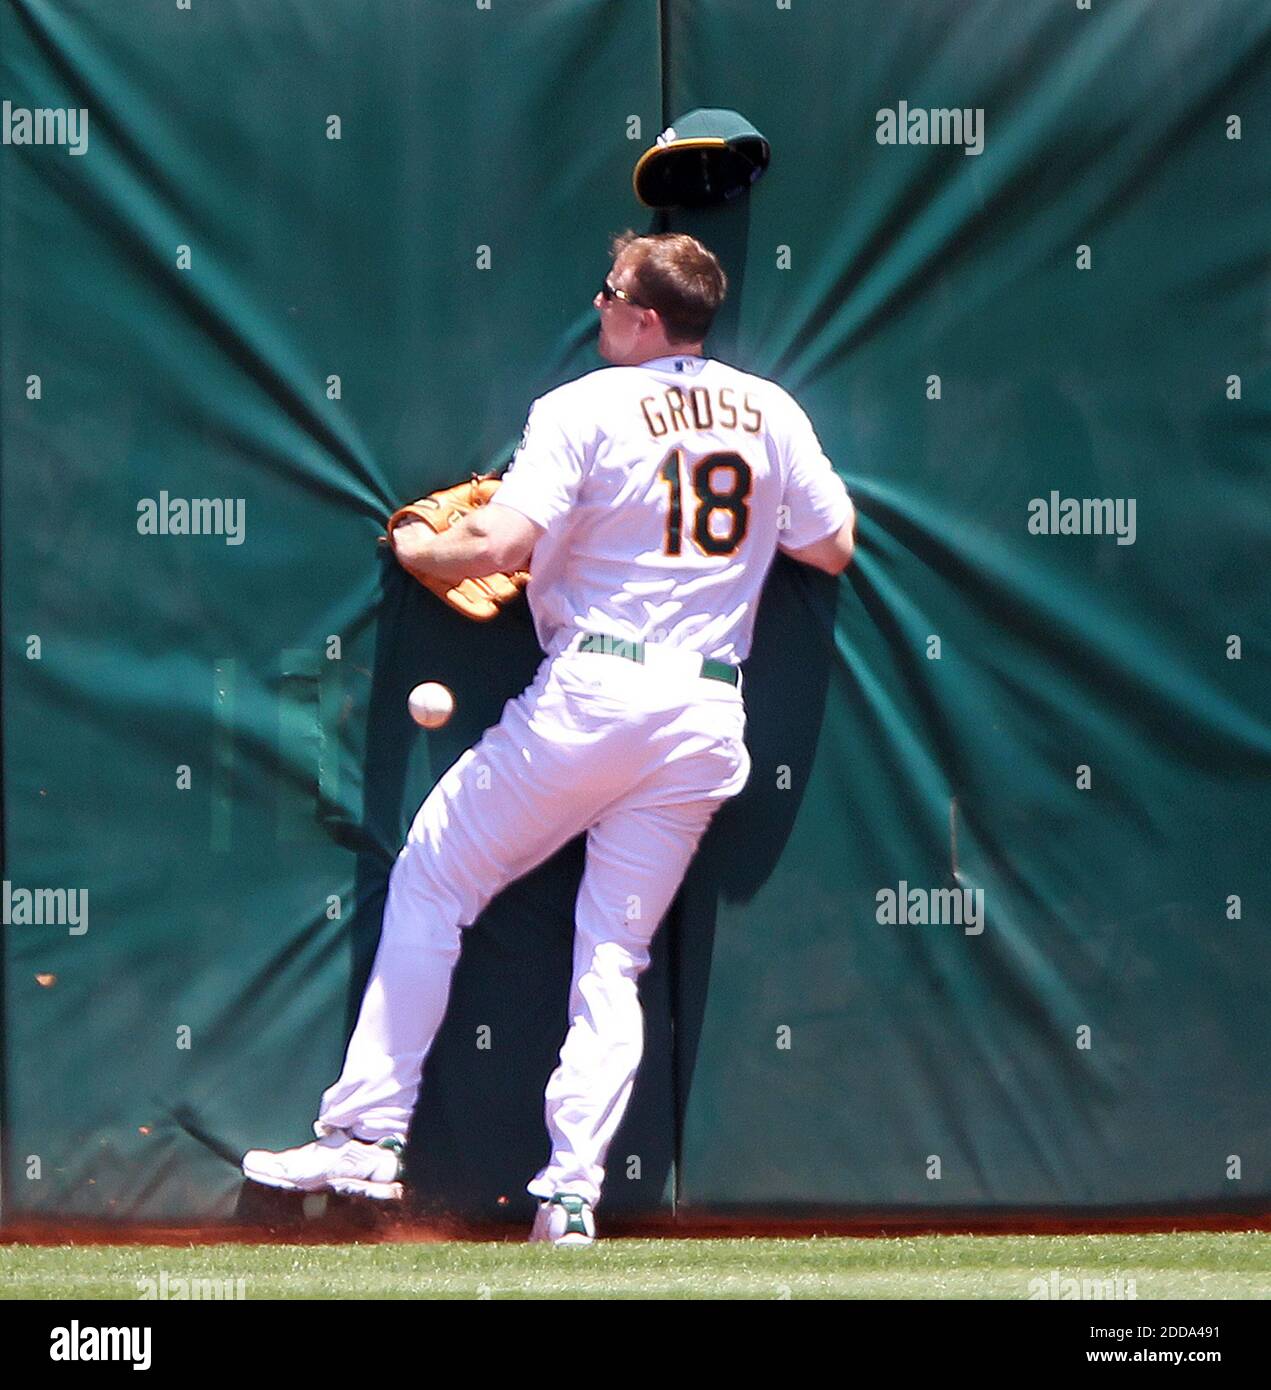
665,491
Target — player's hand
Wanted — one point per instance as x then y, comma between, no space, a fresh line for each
413,531
410,541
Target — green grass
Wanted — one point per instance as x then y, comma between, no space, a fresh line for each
1185,1265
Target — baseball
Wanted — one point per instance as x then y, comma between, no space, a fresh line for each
431,704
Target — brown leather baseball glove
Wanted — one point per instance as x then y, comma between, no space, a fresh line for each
479,599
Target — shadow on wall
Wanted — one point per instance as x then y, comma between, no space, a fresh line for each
786,682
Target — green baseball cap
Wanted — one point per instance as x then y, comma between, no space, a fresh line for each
705,157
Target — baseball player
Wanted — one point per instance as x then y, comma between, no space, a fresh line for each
647,501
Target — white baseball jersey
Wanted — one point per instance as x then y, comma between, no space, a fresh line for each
665,491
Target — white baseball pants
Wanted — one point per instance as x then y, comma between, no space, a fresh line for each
639,756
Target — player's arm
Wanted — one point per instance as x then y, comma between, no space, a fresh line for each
834,553
539,486
491,540
821,520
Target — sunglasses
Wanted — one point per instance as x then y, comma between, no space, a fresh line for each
610,292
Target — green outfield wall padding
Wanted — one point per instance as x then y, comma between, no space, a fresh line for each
987,930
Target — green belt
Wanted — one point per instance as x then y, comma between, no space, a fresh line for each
634,651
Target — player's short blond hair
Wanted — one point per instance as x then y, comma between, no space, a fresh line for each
676,275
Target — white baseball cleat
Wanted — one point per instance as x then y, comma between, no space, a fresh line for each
335,1163
565,1221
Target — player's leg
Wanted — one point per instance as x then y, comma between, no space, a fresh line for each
532,783
406,993
636,860
488,821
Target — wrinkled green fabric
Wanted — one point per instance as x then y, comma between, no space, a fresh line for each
1101,1043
